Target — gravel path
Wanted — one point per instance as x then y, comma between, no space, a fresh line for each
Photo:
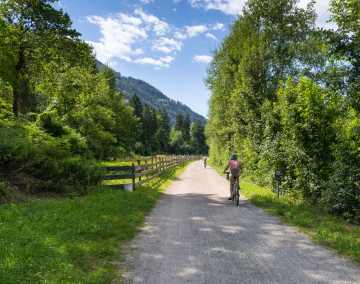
196,235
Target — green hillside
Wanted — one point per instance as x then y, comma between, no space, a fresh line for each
153,97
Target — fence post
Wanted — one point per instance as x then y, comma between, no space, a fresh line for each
146,169
139,164
133,172
152,161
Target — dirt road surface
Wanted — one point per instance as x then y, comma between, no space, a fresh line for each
196,235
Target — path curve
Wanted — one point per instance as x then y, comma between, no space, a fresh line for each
196,235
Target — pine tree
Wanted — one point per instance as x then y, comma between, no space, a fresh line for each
179,123
164,131
135,103
186,128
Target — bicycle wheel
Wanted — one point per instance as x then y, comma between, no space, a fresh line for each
233,196
237,196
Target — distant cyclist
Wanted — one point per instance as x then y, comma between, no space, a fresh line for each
235,171
205,160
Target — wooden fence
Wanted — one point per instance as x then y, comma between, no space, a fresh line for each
156,167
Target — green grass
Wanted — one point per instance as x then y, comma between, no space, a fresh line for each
323,228
74,240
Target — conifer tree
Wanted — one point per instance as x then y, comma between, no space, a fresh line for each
135,103
164,131
186,128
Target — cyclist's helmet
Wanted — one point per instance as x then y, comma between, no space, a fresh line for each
233,156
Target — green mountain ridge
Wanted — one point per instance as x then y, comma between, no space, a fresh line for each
153,97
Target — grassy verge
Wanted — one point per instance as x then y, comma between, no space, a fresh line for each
74,241
325,229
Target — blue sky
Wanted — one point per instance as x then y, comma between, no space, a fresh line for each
166,43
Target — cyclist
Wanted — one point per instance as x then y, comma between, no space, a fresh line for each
235,171
205,159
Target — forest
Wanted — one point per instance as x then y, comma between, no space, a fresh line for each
154,98
61,115
285,96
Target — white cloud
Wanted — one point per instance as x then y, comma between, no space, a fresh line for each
159,27
203,58
195,30
146,1
211,36
151,61
179,35
218,26
118,34
229,7
167,59
123,35
176,1
166,45
234,7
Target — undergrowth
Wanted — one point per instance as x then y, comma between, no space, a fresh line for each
74,240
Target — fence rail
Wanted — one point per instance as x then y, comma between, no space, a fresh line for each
138,171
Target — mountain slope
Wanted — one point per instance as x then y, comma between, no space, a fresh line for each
153,97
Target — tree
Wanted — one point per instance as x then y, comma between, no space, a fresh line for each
267,43
164,130
344,43
36,29
135,103
179,123
177,143
197,133
186,128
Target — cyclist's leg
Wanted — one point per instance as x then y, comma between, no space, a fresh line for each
231,179
231,190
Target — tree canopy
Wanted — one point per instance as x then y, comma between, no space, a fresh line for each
280,91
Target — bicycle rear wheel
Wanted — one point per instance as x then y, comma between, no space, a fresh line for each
237,196
234,192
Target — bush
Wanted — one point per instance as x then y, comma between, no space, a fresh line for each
342,194
32,159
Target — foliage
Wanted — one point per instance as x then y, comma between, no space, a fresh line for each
267,105
299,136
34,160
33,30
344,43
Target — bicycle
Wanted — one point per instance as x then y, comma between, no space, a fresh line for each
236,189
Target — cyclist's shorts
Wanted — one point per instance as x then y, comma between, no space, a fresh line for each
231,178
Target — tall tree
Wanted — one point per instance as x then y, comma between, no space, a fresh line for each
186,128
179,123
164,131
345,43
197,132
135,103
36,28
266,44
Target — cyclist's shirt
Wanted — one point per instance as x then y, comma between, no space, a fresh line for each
234,167
205,161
